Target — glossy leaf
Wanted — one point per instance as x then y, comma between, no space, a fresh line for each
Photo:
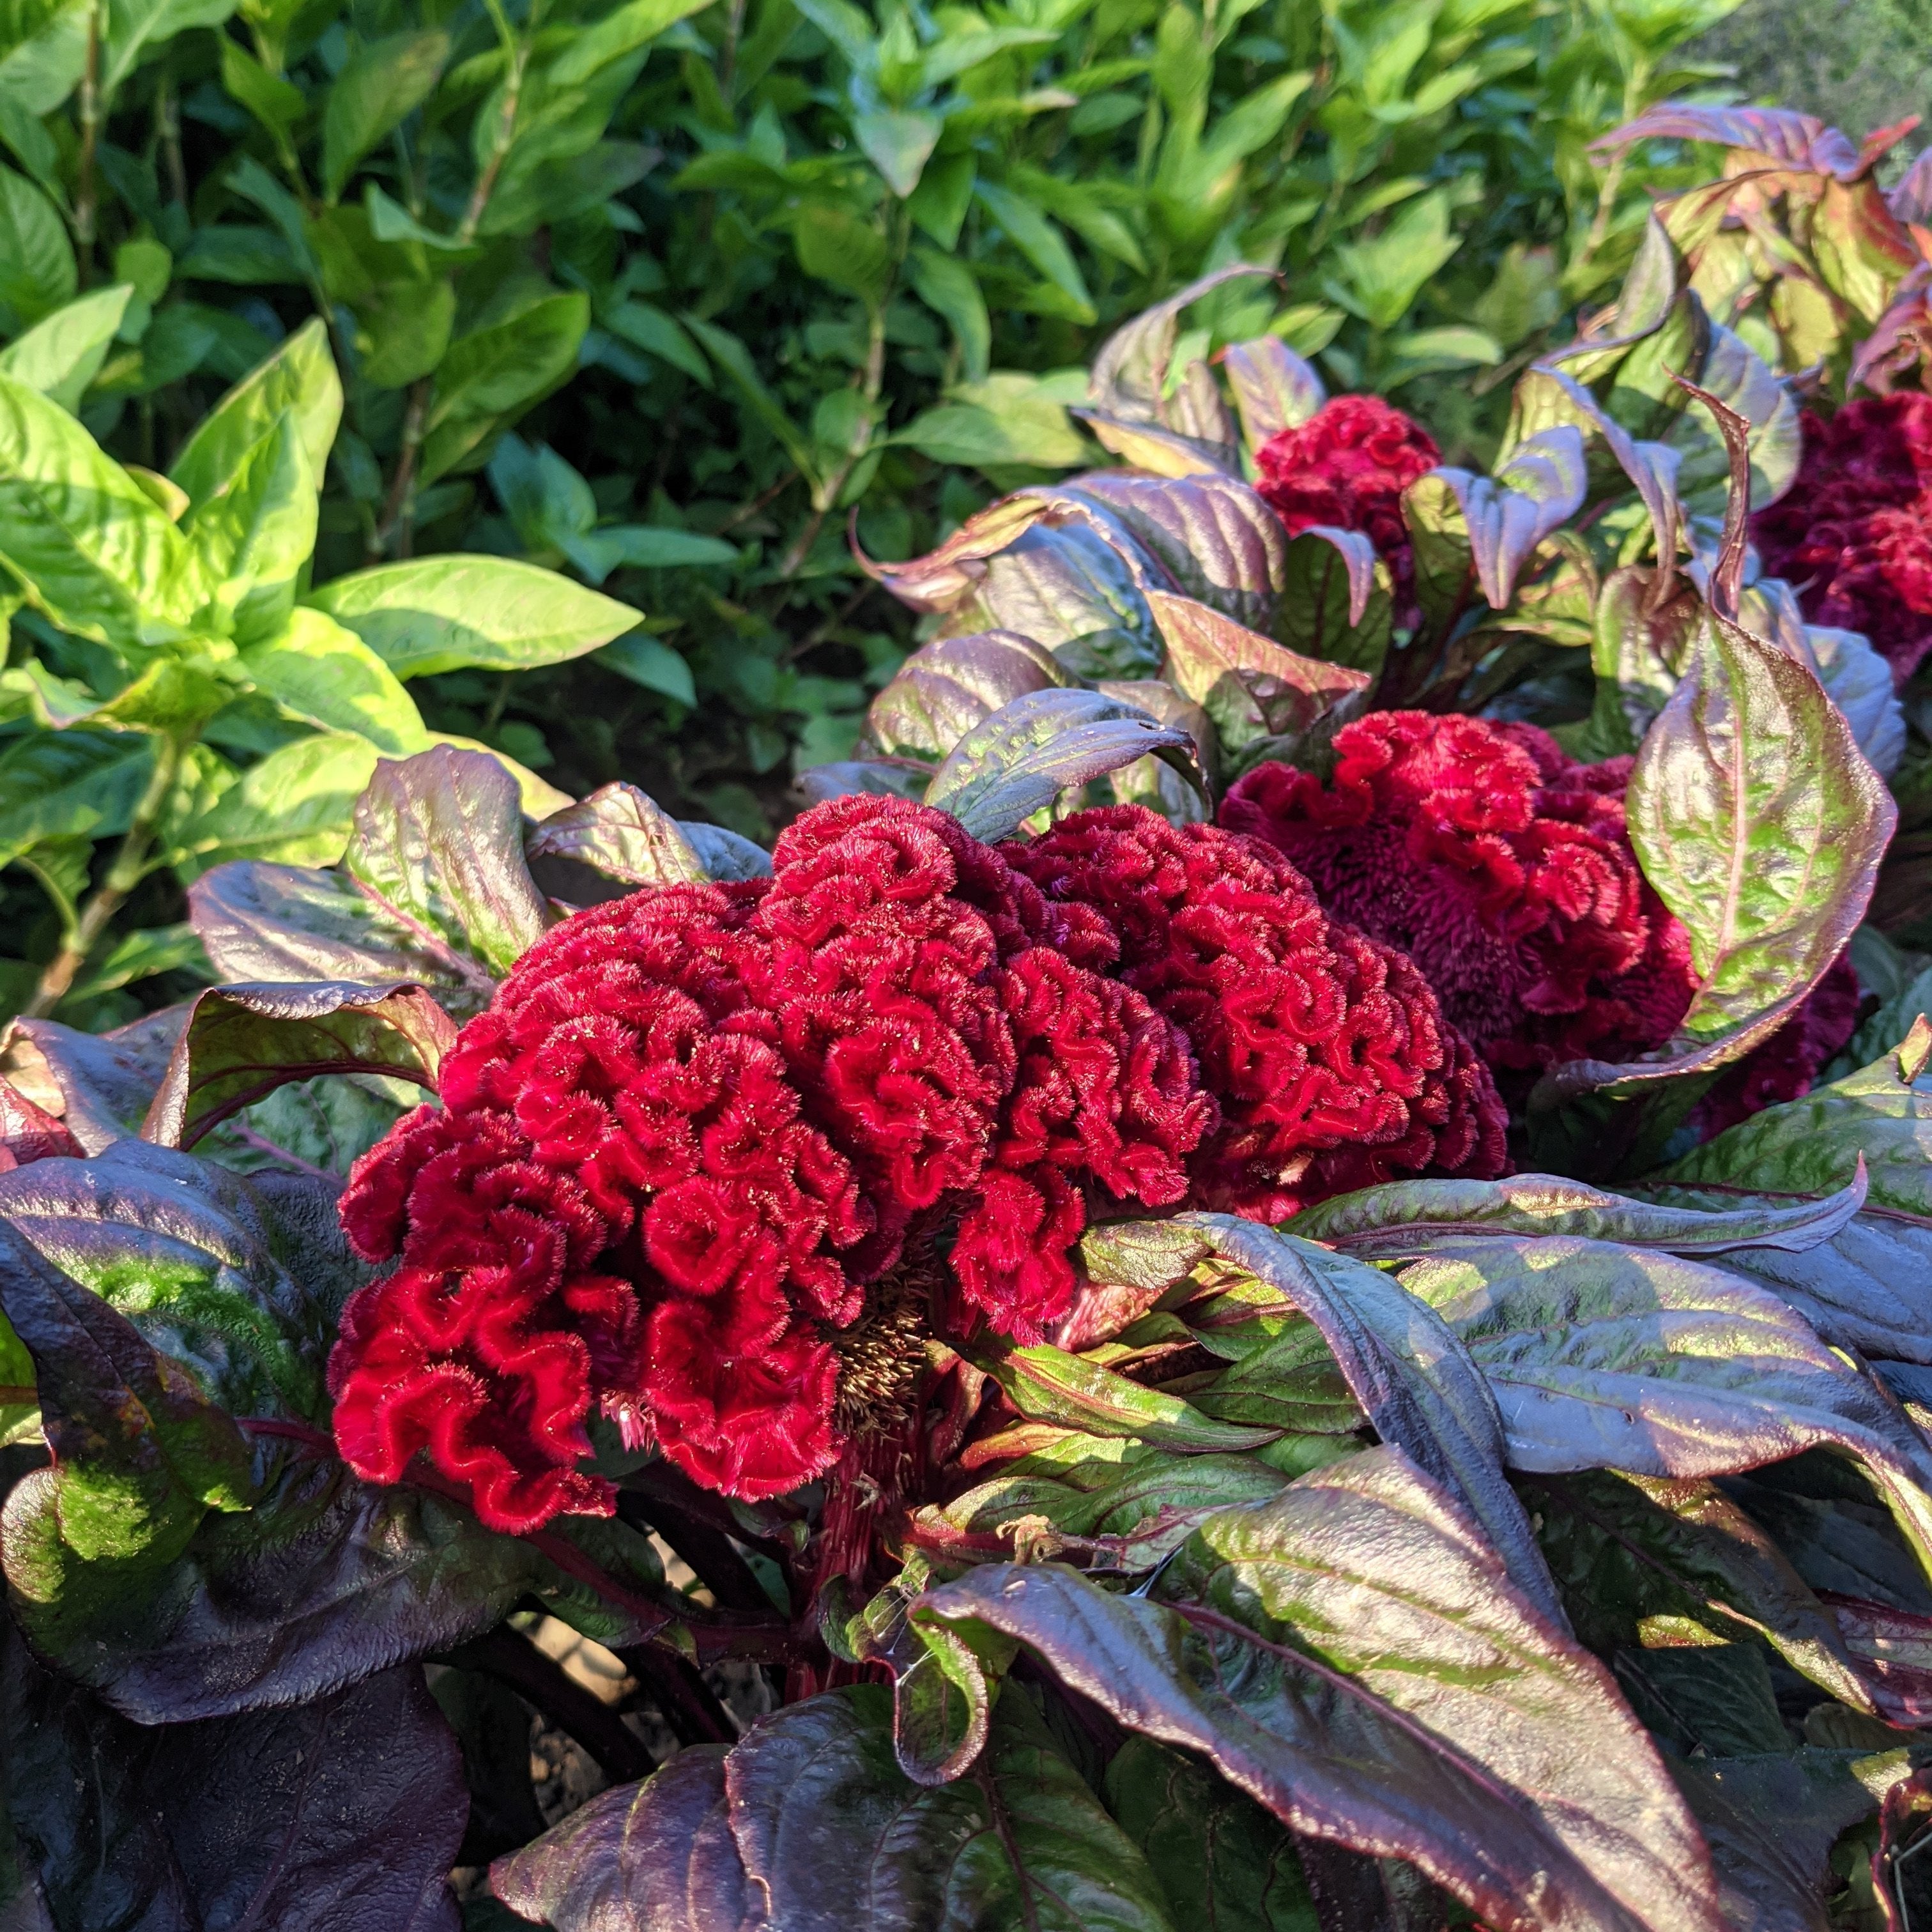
1412,1377
654,1857
271,923
300,376
438,845
142,1454
1129,374
253,541
938,580
947,687
344,1810
1868,1289
1761,825
1050,1385
241,1043
1628,1550
90,548
1536,489
1603,1357
1883,1113
1410,1217
1638,649
1249,686
1321,1652
1212,535
1029,751
725,854
294,806
1274,389
616,834
1021,1839
487,613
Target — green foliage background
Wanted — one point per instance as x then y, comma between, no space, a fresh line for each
666,303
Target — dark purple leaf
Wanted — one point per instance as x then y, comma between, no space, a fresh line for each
1335,602
725,854
1164,452
1837,1545
617,834
1415,1380
1403,1218
1911,198
654,1857
1770,1822
1892,1649
140,1454
1633,1550
438,842
1538,488
1250,687
1020,760
1868,1289
945,687
1761,825
236,1282
240,1043
1550,396
342,1815
1605,1357
1212,535
29,1132
835,1838
1150,781
943,578
1882,1113
98,1086
885,778
1274,388
1726,579
264,922
1354,1655
1129,374
1780,134
1127,1266
1224,1863
1767,435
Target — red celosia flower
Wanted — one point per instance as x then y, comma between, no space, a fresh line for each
1327,1052
698,1124
1503,868
1347,466
1853,535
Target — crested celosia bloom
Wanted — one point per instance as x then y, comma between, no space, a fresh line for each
1853,534
1503,868
694,1153
1347,467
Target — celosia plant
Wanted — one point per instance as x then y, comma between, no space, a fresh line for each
1503,868
684,1165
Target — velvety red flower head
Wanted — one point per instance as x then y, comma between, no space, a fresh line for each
1326,1053
1503,868
1853,535
1347,467
698,1126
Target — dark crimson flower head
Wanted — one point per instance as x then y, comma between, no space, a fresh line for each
1853,534
683,1160
1347,466
1503,868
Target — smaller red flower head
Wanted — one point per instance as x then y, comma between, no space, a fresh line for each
1347,466
1326,1053
1853,535
1503,868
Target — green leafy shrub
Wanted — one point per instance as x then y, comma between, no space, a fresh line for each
661,297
